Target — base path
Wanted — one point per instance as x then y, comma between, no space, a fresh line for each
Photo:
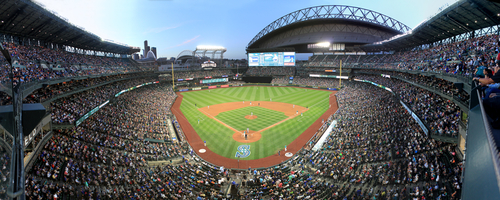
196,143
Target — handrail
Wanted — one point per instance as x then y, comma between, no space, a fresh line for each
38,148
481,179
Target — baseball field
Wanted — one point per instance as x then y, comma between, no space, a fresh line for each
252,122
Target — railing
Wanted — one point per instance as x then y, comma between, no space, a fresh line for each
33,156
481,179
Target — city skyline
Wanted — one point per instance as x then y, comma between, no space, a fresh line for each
173,26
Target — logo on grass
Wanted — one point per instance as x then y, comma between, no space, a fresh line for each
243,151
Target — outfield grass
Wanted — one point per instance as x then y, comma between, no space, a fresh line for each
219,138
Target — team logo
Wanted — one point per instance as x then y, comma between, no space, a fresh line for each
243,151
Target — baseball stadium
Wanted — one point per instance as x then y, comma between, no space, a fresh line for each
329,102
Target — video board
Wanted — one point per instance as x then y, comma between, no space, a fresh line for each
271,59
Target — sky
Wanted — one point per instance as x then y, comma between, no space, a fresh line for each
176,25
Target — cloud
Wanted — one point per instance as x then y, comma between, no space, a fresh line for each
161,29
185,42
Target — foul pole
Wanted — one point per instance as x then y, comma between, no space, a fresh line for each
173,86
340,79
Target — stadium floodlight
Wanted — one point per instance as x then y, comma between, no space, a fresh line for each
323,44
208,47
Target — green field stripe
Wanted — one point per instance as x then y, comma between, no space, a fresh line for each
227,98
278,91
271,92
243,93
239,92
249,93
264,96
232,91
254,93
203,100
285,90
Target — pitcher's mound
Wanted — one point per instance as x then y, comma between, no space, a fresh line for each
251,117
252,136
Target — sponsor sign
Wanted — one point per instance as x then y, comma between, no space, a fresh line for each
224,86
208,77
183,90
212,87
328,76
196,88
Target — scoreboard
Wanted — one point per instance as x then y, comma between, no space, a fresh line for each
271,59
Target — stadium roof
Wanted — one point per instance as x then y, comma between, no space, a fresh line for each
28,19
343,24
464,16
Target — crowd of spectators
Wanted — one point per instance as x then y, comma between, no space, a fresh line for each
40,63
215,73
70,108
438,84
391,153
270,71
4,172
106,157
51,91
315,82
441,115
460,58
376,151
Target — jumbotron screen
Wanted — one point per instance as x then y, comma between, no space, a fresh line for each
271,59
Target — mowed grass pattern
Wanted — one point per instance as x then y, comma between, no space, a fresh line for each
265,117
219,138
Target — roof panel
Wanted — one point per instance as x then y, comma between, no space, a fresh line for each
462,17
32,21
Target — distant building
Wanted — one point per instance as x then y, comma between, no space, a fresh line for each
135,56
153,49
146,49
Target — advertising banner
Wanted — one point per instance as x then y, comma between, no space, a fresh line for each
196,88
224,86
183,90
212,87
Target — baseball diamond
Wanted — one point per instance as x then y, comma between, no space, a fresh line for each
231,117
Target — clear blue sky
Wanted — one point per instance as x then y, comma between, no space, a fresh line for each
176,25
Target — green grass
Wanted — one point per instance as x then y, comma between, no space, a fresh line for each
219,138
265,117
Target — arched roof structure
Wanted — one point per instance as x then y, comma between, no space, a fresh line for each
315,24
